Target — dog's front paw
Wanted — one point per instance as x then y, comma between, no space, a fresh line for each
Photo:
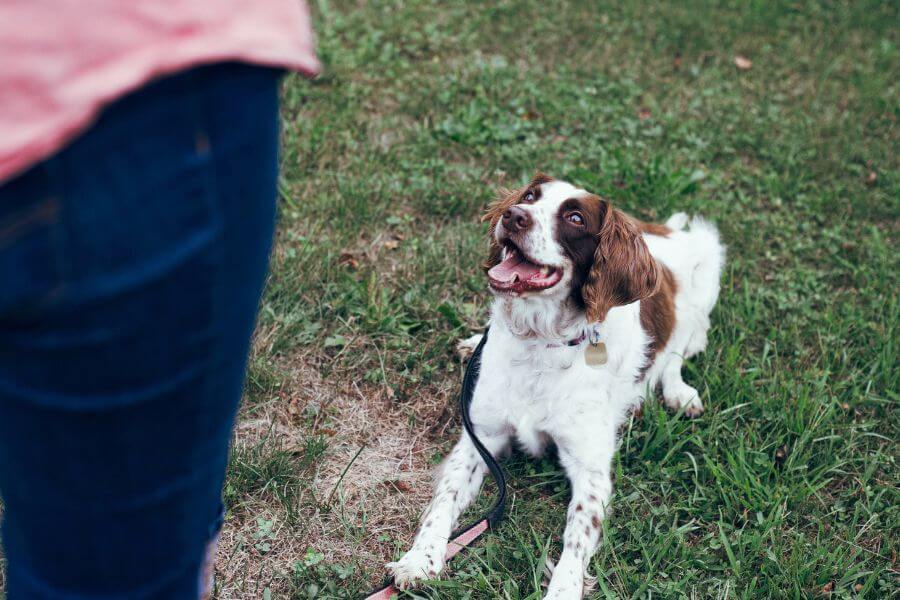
563,589
566,581
414,567
685,396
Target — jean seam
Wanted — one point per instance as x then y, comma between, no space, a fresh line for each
206,146
58,234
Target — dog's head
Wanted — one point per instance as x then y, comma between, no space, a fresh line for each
552,239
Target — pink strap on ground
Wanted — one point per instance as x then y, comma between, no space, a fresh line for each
384,594
453,548
464,539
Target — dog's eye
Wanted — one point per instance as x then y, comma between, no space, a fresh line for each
575,218
528,197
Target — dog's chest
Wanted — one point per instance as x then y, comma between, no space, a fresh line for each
547,389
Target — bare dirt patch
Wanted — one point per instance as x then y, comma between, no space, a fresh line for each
365,493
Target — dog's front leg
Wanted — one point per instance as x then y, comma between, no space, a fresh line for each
459,481
589,475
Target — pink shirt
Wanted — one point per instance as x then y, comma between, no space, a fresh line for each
62,61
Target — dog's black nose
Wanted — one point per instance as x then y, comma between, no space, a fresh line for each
516,219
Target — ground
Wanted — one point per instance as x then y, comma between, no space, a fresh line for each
776,120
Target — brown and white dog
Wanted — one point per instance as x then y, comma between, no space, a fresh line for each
570,274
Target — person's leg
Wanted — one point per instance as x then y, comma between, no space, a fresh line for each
131,268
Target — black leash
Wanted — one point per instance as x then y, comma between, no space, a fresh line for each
464,536
495,514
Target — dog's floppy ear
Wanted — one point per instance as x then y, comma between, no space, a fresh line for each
506,198
624,271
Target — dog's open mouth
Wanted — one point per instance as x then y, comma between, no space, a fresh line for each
516,274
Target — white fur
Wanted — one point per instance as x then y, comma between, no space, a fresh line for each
541,245
533,390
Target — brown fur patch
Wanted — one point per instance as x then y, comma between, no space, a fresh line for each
653,228
658,316
580,243
624,270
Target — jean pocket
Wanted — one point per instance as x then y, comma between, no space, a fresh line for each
30,265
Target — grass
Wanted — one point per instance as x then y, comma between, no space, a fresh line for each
787,487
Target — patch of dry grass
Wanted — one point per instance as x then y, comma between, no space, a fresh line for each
364,494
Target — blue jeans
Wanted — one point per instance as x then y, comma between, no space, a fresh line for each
131,267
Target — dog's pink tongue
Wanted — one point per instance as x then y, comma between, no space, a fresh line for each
514,265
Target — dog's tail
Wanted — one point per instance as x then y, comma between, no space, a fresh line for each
709,254
678,221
